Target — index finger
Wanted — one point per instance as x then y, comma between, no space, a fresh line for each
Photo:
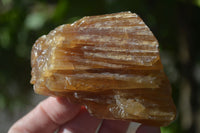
46,117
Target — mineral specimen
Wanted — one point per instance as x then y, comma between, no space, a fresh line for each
109,63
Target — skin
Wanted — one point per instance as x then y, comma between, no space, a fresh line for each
58,114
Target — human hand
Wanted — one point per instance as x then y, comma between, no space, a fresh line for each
58,114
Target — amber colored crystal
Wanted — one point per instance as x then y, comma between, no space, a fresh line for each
109,63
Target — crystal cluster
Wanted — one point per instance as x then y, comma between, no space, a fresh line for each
109,63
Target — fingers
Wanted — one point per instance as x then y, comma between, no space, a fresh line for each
46,117
148,129
59,110
83,123
54,112
114,126
117,126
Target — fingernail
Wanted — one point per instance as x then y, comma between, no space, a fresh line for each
132,128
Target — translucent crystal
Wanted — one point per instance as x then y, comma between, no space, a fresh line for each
109,63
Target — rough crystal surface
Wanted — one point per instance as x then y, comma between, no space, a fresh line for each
109,63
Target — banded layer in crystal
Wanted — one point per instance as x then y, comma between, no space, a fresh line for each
109,63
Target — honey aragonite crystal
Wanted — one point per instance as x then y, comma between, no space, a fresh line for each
109,63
